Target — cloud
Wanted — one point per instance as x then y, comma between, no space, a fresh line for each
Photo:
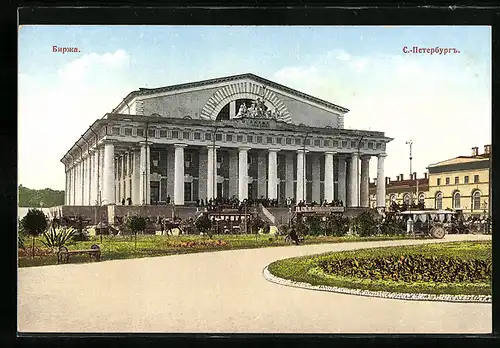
442,103
55,110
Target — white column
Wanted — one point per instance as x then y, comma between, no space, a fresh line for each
301,177
101,175
108,195
179,174
78,183
211,171
122,179
316,176
89,175
85,180
365,182
233,173
243,173
289,175
272,181
96,187
73,184
232,109
144,175
136,178
202,169
353,166
380,181
261,175
329,187
342,175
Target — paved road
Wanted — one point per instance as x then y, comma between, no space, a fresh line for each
221,292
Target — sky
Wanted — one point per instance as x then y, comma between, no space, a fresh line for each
440,102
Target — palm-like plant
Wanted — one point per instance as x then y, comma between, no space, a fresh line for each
34,223
136,224
56,238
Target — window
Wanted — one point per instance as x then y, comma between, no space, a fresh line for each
335,143
298,141
279,140
378,146
197,136
140,132
344,143
456,180
259,139
208,136
229,137
128,131
308,142
249,138
370,145
421,198
289,141
317,142
269,140
116,131
163,133
326,143
406,198
476,200
218,137
466,179
456,200
438,181
188,157
439,200
151,133
185,135
239,138
447,180
175,134
476,179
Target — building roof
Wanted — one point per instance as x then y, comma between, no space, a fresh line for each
146,91
461,159
404,183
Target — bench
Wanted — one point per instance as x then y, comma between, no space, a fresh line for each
64,254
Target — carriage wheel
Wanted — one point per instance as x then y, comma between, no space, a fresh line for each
438,232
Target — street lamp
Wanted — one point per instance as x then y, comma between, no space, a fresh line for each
410,143
214,164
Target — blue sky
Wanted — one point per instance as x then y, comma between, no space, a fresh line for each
442,103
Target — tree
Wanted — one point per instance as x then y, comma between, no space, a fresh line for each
136,224
34,223
32,198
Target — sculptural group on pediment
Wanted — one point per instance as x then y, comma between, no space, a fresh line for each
257,110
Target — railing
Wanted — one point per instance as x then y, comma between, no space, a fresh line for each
320,209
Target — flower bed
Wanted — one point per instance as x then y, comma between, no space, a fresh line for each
383,269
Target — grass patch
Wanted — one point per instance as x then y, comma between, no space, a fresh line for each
123,247
307,269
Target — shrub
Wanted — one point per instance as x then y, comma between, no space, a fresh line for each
367,223
203,223
315,226
34,223
410,268
337,225
56,238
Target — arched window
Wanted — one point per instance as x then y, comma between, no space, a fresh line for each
421,198
406,198
476,200
456,200
439,200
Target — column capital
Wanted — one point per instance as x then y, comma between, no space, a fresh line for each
145,143
302,151
243,148
213,147
333,153
354,154
365,157
108,141
274,150
381,155
180,145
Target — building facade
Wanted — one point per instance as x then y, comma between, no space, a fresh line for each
403,190
462,183
240,136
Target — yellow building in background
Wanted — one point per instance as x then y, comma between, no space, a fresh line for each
461,183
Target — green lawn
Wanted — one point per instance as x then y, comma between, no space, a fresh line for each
123,247
306,269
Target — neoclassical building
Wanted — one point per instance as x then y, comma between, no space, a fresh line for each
240,136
